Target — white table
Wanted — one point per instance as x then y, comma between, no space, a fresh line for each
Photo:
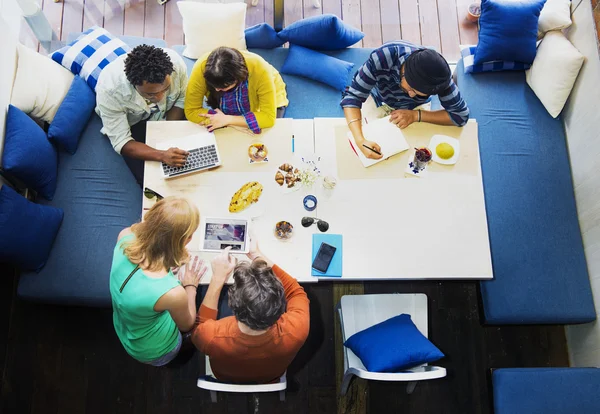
212,190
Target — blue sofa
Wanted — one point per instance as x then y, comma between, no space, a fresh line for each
546,390
540,270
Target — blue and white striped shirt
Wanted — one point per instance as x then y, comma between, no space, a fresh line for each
380,76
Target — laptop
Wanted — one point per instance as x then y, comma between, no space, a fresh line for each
203,154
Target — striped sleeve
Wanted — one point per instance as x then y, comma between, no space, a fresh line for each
453,102
252,122
362,83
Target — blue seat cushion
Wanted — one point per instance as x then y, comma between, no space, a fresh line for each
546,390
100,197
304,93
540,271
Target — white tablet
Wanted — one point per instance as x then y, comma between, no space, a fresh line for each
220,233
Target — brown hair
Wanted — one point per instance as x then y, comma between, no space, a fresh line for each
224,67
160,239
256,297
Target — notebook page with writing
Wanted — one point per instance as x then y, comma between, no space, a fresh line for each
388,136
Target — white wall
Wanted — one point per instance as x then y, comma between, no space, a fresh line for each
582,123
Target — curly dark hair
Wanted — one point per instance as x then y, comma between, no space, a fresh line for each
256,297
147,63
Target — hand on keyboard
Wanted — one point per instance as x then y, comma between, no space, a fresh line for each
175,157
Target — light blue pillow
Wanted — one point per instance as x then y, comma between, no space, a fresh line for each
317,66
324,32
87,55
508,30
72,116
28,230
262,36
28,155
468,56
393,345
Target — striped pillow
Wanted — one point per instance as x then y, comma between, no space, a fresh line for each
468,54
90,53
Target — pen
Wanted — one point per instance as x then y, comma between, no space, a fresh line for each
293,143
376,152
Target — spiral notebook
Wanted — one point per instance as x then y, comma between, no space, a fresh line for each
389,137
335,267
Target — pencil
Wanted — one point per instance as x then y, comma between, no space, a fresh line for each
375,151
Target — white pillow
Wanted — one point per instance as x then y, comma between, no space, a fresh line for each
40,85
209,25
556,15
554,71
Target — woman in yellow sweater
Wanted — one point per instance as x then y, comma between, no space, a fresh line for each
241,88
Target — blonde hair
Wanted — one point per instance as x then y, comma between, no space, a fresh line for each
161,238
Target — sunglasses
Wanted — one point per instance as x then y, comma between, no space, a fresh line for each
150,194
309,221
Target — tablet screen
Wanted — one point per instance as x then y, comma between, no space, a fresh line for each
222,233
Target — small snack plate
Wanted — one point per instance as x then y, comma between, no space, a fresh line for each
440,139
411,170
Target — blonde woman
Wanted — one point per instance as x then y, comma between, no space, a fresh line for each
151,307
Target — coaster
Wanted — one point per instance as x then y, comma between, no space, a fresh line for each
411,170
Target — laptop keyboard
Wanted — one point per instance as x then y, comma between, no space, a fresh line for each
198,159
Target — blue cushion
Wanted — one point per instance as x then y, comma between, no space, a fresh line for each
468,57
546,390
318,66
28,155
324,32
28,230
262,36
90,53
100,198
72,115
393,345
540,270
508,30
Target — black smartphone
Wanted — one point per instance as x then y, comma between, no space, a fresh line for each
323,258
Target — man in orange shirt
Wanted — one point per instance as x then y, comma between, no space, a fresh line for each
270,323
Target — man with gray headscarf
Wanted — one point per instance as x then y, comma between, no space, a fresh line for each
401,77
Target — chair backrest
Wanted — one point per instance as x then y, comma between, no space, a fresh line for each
359,312
246,388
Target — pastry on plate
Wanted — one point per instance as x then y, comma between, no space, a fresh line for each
257,151
245,196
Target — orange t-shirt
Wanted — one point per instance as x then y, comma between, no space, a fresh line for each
240,358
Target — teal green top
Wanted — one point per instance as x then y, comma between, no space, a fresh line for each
145,333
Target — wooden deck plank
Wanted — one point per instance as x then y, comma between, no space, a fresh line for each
351,15
449,29
430,24
255,14
54,13
310,10
114,14
371,23
467,30
390,20
72,18
133,24
410,25
173,25
93,13
269,12
292,11
154,20
332,7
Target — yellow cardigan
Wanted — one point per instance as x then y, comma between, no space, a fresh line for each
266,91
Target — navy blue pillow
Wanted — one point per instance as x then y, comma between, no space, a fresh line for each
72,115
508,30
317,66
262,36
393,345
28,155
324,32
28,230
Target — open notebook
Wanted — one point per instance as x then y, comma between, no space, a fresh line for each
389,137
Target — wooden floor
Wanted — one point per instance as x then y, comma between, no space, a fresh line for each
69,360
437,23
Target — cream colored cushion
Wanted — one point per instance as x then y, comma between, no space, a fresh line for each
40,84
556,15
554,71
209,25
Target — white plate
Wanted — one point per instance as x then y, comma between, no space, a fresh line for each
440,139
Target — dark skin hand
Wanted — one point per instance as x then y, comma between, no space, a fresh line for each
173,156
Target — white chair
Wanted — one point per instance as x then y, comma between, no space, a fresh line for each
359,312
214,387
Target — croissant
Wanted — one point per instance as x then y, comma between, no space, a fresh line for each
286,167
279,178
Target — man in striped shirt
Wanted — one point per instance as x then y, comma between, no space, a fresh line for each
403,76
